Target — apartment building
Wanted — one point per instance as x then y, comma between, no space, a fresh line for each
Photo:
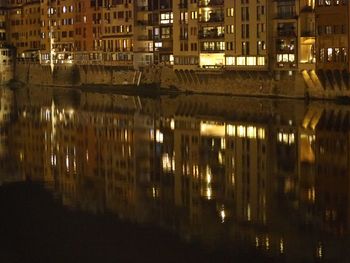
117,32
292,37
332,47
24,27
217,33
6,53
257,35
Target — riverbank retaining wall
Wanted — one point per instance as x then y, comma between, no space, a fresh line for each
251,83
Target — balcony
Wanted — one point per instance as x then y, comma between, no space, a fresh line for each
144,23
210,3
308,33
286,15
307,9
210,35
144,49
145,38
214,18
143,9
163,49
286,33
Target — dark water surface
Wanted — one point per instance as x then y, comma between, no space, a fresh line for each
89,177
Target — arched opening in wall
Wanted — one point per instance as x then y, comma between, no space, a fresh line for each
338,78
345,76
322,77
330,78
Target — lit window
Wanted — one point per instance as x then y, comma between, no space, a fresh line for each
261,61
261,133
230,61
230,11
241,61
251,61
251,132
231,130
241,131
194,15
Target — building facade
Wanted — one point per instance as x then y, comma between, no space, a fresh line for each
264,35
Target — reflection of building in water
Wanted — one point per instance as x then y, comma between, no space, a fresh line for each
200,166
246,169
7,171
332,183
32,142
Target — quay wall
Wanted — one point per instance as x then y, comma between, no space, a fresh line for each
251,83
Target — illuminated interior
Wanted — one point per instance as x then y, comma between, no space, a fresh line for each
212,129
306,152
216,59
307,50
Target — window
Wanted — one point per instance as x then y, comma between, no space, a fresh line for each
251,61
230,61
245,48
329,54
167,18
322,55
328,30
194,15
230,12
241,61
245,30
245,13
230,29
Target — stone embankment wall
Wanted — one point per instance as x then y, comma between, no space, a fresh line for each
70,75
253,83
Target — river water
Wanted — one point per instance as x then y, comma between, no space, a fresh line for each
97,177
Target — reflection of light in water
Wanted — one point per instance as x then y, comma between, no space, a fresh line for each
159,137
230,130
256,242
319,251
223,143
208,179
281,246
220,158
311,194
208,193
208,175
67,162
166,162
286,138
267,243
53,159
248,212
222,214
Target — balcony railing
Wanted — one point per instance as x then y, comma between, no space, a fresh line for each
212,3
214,18
210,35
144,22
142,9
286,15
308,33
145,38
286,33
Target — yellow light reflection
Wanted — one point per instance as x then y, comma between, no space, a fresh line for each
212,129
